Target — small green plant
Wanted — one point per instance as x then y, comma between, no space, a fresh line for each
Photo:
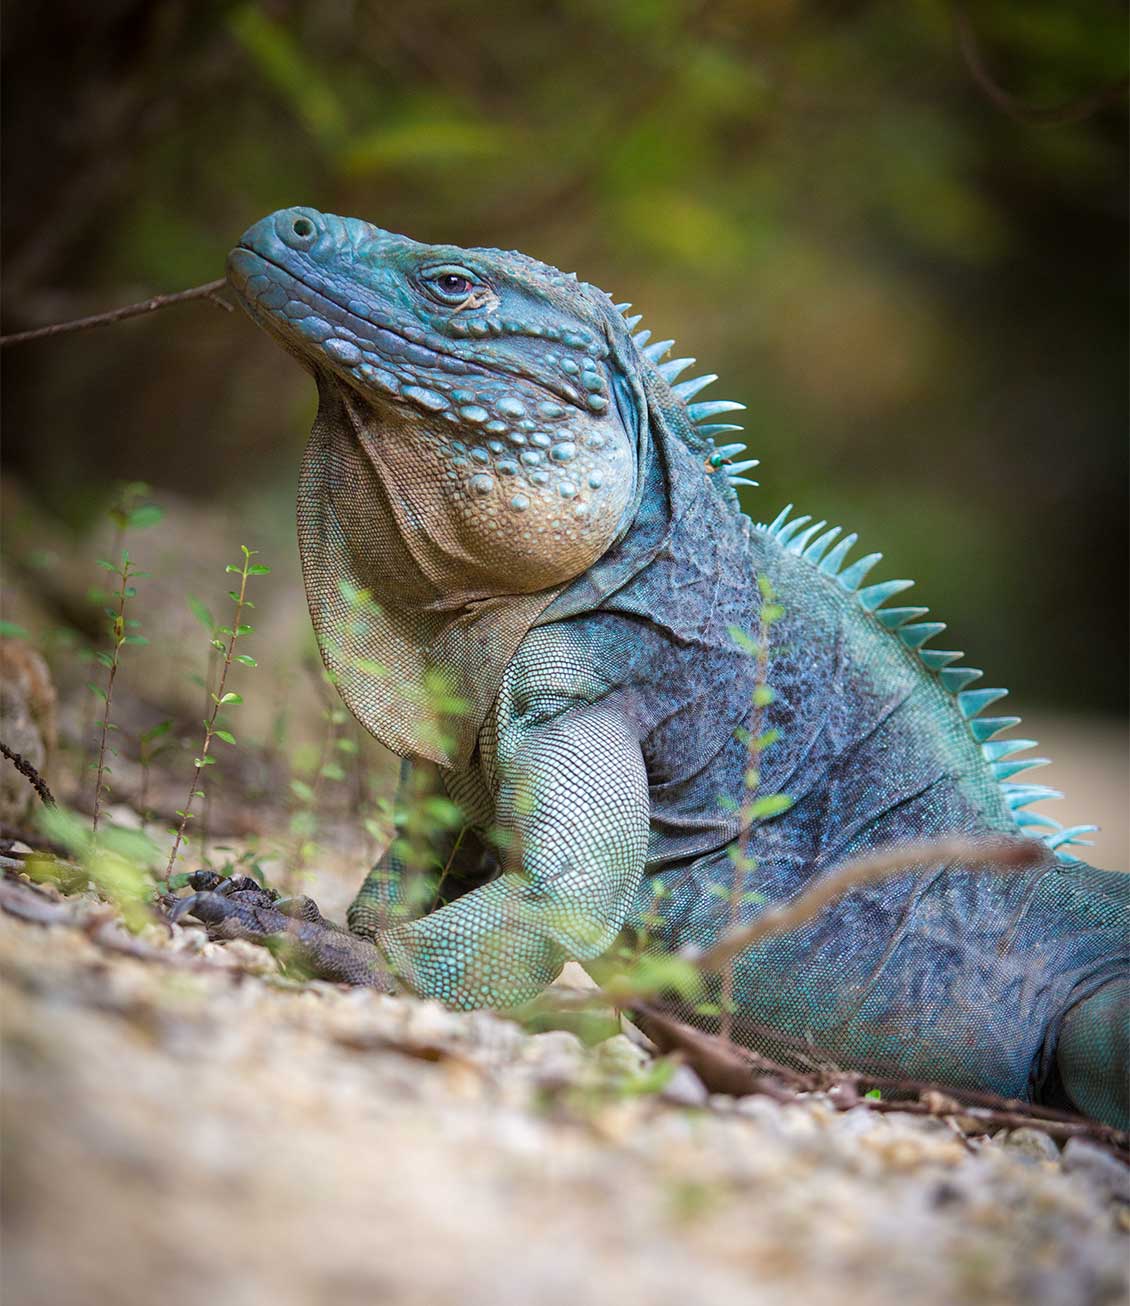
221,697
123,631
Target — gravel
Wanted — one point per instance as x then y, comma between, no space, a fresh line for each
191,1127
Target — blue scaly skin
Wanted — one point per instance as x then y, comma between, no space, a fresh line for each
525,560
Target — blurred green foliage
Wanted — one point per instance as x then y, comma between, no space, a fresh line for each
921,299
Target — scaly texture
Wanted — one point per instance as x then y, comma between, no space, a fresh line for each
525,562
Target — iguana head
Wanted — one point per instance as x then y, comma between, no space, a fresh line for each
480,384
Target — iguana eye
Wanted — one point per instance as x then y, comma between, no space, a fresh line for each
451,286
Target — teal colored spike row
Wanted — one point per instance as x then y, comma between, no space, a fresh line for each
633,322
815,543
654,352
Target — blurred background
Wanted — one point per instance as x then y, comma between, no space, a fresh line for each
917,287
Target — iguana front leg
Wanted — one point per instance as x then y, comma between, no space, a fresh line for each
572,809
572,806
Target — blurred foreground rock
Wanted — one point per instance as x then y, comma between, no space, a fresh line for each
178,1129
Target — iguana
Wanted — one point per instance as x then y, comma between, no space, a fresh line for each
525,562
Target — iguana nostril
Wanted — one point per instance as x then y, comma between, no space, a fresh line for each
303,228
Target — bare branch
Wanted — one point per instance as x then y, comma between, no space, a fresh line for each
1056,116
210,291
30,774
1003,854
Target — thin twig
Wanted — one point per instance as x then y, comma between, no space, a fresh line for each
208,291
30,774
1016,109
1005,854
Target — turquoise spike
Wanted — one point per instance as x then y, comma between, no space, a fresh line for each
633,322
874,596
1035,820
699,412
741,480
915,636
997,749
818,548
852,577
687,390
780,519
786,533
893,618
985,727
1018,796
641,338
935,659
1071,835
956,678
674,368
736,469
1003,770
732,450
972,702
654,352
835,560
621,308
800,542
719,428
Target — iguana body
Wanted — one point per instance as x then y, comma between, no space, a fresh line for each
506,489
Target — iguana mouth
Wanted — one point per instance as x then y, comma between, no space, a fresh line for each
373,340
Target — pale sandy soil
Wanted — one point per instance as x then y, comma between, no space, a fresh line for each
183,1132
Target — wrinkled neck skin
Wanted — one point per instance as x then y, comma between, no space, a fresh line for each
437,520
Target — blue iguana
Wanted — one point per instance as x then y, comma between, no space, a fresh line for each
525,561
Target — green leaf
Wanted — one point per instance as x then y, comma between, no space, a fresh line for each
9,630
147,515
332,771
201,613
771,805
258,569
230,697
873,1095
104,659
233,568
204,761
94,689
135,639
246,659
219,646
302,790
106,566
244,630
225,735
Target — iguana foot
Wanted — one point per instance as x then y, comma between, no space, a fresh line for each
239,908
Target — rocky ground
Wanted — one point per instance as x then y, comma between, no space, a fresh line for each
184,1125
